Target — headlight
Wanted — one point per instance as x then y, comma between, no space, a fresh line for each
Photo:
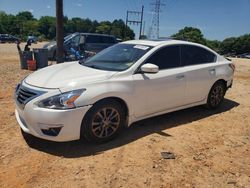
61,101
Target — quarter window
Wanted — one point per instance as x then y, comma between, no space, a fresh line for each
167,57
193,55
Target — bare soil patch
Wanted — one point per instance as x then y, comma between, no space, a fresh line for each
211,148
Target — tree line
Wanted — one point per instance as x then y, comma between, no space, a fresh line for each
229,46
24,24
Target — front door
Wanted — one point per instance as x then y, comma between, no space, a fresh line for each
163,90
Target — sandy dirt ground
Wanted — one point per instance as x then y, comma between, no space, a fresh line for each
212,148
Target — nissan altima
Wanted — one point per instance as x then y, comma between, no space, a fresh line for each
122,84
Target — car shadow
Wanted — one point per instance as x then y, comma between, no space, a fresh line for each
138,130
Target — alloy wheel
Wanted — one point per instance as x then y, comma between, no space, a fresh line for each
105,122
217,95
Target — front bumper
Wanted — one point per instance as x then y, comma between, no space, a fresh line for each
230,84
49,124
35,121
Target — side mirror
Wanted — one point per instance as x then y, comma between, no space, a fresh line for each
149,68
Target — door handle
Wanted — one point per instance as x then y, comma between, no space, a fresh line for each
180,77
212,71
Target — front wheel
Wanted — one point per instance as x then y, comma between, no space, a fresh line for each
103,122
54,57
216,95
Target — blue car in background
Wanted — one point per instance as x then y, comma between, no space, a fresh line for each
81,42
8,38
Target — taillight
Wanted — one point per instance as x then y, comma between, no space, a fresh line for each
232,66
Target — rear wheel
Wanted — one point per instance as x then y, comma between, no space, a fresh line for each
103,122
216,95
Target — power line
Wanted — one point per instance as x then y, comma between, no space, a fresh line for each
134,21
154,29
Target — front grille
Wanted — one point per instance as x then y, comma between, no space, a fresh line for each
23,95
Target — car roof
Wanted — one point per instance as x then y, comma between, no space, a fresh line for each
95,34
160,42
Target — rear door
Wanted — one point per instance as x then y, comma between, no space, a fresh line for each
200,65
163,90
93,43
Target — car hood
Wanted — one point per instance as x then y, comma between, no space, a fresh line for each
69,74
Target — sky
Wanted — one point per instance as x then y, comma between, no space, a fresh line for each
217,19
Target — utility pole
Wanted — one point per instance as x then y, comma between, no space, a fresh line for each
135,21
59,31
140,34
143,30
125,33
154,29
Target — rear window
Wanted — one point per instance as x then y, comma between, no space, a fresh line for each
193,55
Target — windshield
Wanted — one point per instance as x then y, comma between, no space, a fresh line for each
69,36
118,57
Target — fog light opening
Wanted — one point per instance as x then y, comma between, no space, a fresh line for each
54,131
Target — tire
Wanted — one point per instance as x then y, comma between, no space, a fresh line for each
103,121
54,56
216,95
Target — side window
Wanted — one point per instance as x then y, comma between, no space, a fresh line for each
82,39
193,55
106,39
93,39
167,57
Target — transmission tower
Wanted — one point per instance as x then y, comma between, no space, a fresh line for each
154,28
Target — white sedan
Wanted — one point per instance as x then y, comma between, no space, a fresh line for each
122,84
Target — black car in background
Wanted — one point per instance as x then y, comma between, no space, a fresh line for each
83,42
8,38
32,39
245,55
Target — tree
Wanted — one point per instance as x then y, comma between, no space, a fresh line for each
214,44
227,45
24,24
94,25
104,27
3,18
25,15
46,26
190,34
242,44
